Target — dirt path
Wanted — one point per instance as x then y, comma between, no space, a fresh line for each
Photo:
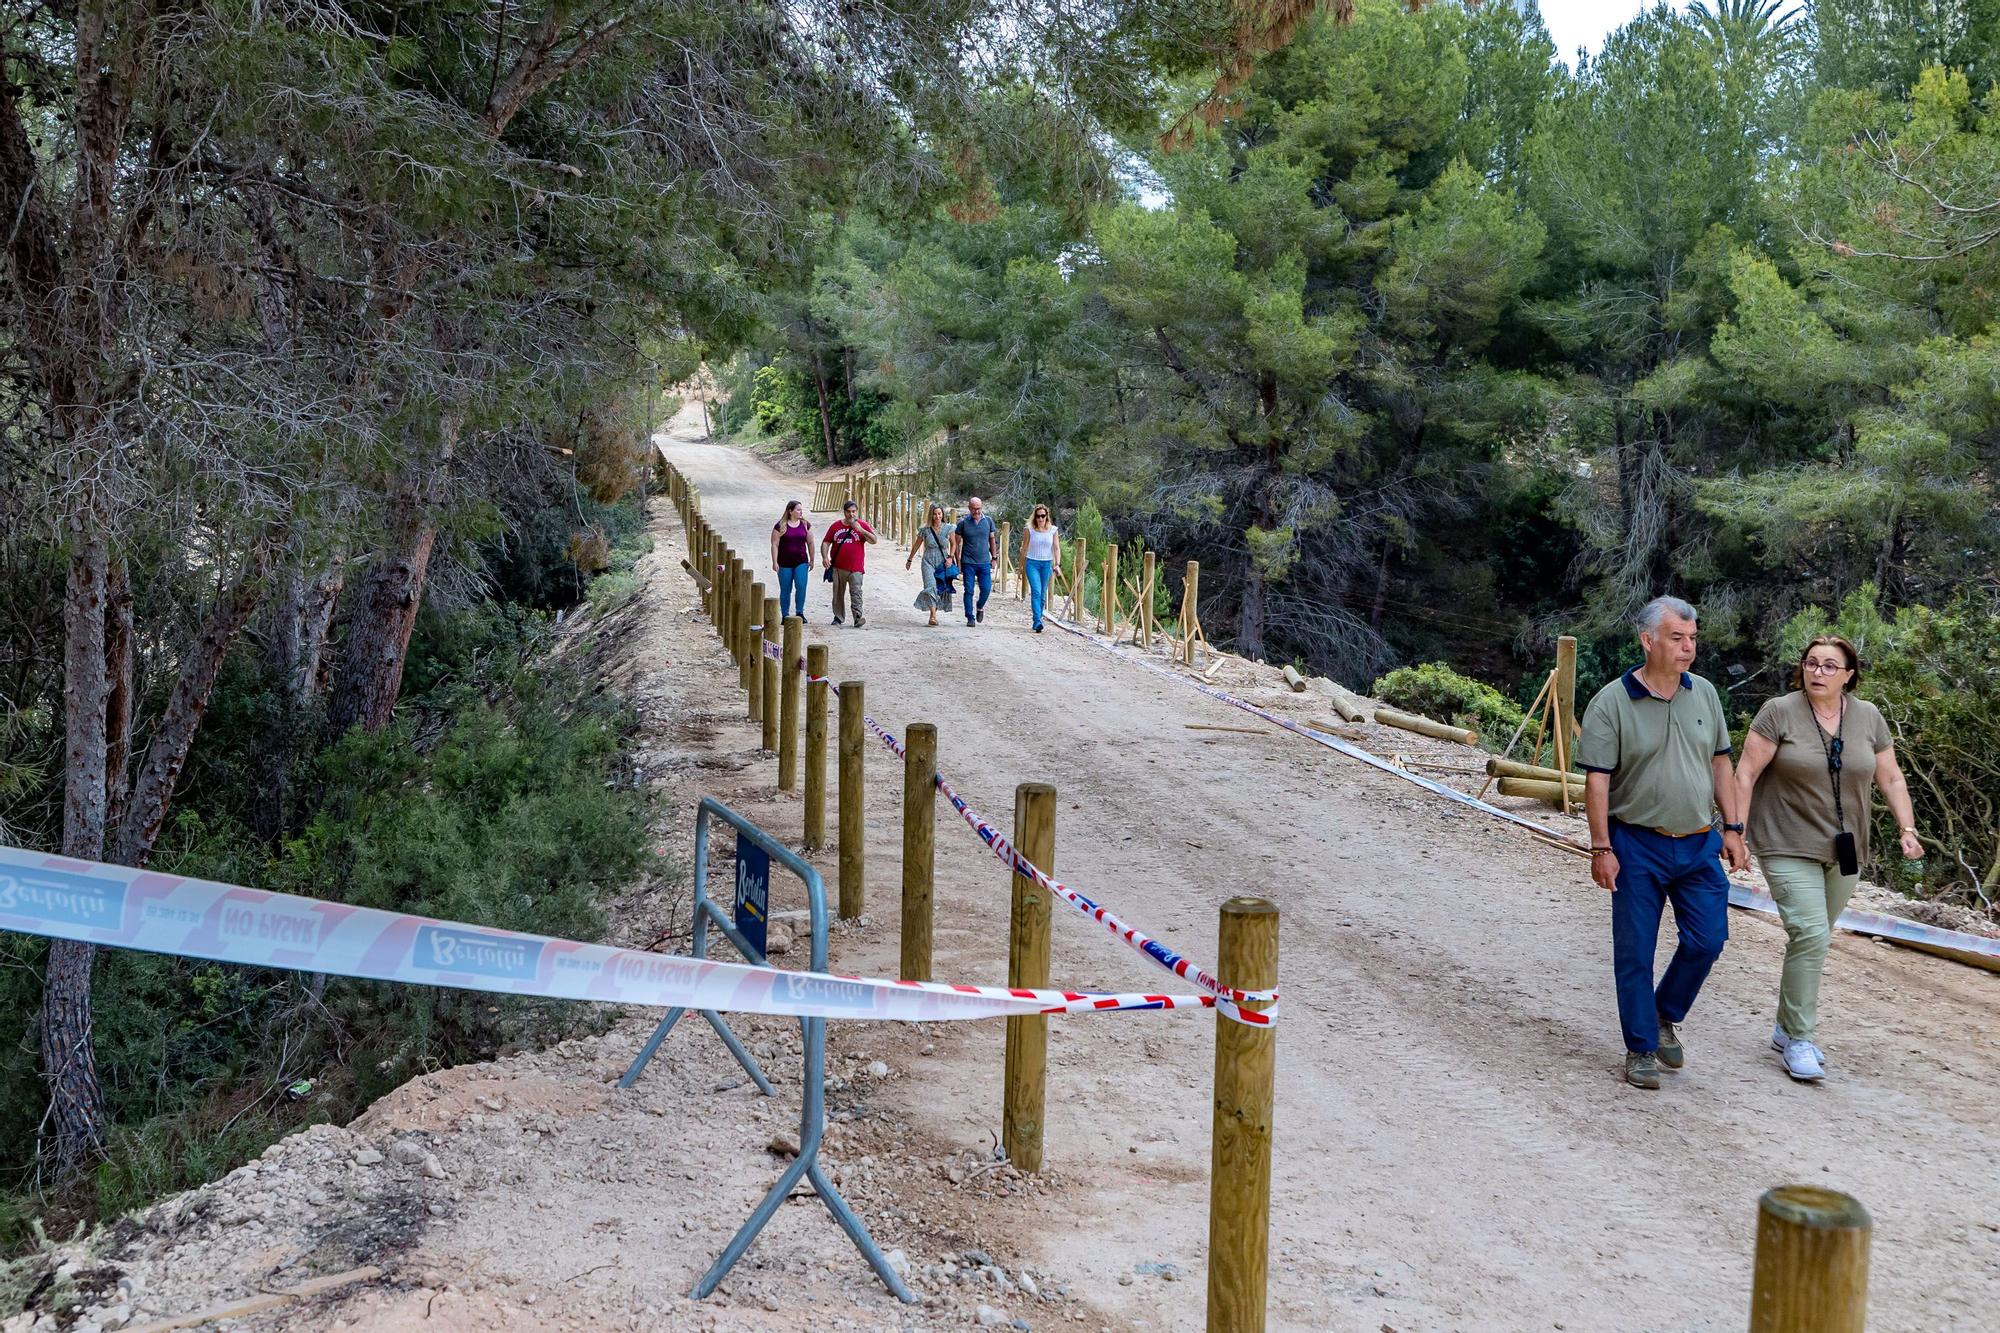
1455,1147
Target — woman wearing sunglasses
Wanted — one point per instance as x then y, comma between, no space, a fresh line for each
1809,764
1041,560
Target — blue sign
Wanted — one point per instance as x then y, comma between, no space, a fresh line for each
753,891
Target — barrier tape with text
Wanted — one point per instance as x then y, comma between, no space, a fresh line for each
1228,1000
94,903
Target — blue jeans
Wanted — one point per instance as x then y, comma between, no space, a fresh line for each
981,575
1654,870
1039,573
792,581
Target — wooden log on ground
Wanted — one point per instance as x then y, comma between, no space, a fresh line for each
1514,768
1552,792
1295,680
1423,726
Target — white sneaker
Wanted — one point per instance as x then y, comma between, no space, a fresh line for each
1803,1060
1779,1041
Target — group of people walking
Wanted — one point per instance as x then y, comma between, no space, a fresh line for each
962,554
1658,762
1657,755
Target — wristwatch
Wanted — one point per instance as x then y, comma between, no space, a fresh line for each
1732,828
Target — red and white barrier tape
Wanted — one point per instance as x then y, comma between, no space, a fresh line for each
1227,1000
118,906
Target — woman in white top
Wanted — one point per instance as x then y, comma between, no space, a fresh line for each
1041,559
933,543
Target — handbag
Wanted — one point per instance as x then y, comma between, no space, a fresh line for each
947,572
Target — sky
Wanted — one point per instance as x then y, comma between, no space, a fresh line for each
1574,23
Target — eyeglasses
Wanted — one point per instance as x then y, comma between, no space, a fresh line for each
1819,668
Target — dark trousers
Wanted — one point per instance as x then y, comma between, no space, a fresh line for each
979,578
1653,870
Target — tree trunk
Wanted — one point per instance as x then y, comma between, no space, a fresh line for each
1381,589
173,736
118,677
1250,615
825,420
384,612
847,417
69,1063
294,648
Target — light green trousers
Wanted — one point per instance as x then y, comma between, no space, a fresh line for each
1810,897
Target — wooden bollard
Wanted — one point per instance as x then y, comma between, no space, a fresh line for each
753,686
1145,608
853,735
1108,595
1079,582
1239,1167
749,606
1006,555
788,713
816,747
1811,1273
1027,1074
1566,688
919,849
767,672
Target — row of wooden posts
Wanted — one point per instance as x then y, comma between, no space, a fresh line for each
1812,1244
772,662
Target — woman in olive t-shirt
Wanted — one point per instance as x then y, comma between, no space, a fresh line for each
1808,765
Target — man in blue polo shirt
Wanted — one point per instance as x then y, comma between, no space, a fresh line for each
1656,749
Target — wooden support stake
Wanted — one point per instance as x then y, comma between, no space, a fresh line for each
816,693
919,847
853,735
1239,1170
1006,554
1028,965
1563,737
1811,1272
1191,636
1108,595
767,672
1148,574
1079,581
790,669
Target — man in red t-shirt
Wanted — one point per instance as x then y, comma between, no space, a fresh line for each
846,544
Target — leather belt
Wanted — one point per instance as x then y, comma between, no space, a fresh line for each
1668,833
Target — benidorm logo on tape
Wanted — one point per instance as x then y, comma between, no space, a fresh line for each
476,953
830,993
59,895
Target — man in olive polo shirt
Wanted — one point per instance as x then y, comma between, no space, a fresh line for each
1656,750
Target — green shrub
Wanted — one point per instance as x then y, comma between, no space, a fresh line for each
1436,691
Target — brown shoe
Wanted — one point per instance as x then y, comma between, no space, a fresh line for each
1642,1070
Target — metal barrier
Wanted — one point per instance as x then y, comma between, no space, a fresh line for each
812,1115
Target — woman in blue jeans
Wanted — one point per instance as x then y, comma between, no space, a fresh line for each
1041,560
792,557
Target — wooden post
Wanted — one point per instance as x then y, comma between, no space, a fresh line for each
919,847
816,748
748,605
1079,582
1239,1170
847,491
1108,595
853,734
1565,701
1148,572
751,674
1566,686
788,712
1006,553
767,671
1028,965
1811,1273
